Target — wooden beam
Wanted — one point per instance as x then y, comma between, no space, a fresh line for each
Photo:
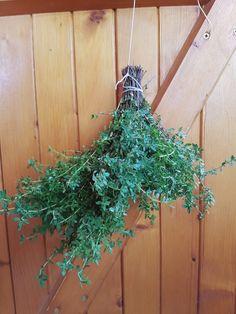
15,7
201,69
181,55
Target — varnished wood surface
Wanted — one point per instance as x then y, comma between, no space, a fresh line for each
19,143
109,297
218,241
14,7
95,71
47,88
178,228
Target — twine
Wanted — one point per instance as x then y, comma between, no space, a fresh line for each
206,17
130,88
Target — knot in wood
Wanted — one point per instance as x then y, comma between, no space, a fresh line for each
97,16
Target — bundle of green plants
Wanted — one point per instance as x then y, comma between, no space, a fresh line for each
86,196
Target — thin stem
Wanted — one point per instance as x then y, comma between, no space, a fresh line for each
49,259
151,198
81,167
167,155
34,211
74,213
66,219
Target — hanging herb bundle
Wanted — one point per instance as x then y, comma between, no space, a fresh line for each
86,197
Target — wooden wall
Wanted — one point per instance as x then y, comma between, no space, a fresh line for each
56,70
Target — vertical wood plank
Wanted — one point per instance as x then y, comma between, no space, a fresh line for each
109,296
180,231
180,252
55,83
6,288
175,26
141,256
19,143
55,86
141,259
218,272
144,46
95,70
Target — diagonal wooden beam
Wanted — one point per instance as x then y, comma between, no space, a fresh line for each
201,69
181,55
15,7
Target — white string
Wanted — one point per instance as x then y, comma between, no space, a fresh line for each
123,78
139,88
206,17
130,88
131,31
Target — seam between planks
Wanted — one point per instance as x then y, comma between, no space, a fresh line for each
74,79
7,237
37,124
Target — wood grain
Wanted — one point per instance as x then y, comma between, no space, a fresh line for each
202,67
180,252
19,142
95,71
55,86
141,276
145,29
174,21
180,231
218,250
33,6
55,83
6,288
109,296
141,256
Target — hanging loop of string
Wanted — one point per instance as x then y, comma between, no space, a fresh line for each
130,88
208,33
